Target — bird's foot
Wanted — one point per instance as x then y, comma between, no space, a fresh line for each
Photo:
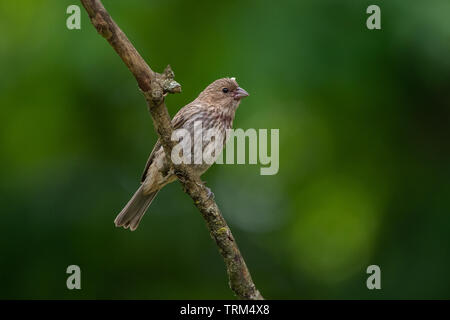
210,193
208,190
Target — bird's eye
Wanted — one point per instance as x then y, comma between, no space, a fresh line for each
225,90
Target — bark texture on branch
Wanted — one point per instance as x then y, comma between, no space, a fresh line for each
155,86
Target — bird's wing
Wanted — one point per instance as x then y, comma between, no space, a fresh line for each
150,159
177,122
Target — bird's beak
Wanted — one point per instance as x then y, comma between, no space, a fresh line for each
240,93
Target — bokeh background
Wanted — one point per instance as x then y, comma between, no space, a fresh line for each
364,150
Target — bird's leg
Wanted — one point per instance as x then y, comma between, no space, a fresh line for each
208,190
210,193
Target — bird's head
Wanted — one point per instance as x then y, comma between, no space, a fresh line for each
223,92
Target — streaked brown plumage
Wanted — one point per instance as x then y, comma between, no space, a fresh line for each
214,108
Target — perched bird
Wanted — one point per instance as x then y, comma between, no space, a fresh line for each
214,108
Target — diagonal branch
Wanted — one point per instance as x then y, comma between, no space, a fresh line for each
155,87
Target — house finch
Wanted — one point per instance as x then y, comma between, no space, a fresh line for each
214,109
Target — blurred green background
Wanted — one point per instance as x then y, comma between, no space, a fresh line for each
364,150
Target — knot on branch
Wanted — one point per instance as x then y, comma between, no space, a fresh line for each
161,85
169,84
172,87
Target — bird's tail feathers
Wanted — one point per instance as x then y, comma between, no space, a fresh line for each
132,213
